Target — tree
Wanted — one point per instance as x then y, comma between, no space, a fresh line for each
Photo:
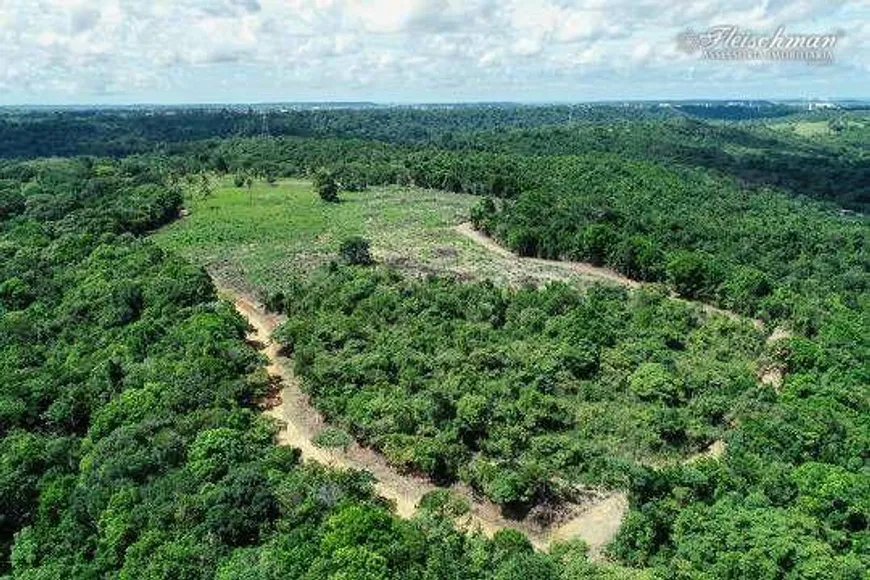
11,203
270,174
204,187
596,242
652,381
639,258
690,273
326,186
221,165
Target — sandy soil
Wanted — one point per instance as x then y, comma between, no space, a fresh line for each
772,374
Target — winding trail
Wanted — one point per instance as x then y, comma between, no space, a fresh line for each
596,522
569,267
582,268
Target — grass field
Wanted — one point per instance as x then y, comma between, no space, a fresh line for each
806,128
255,240
261,235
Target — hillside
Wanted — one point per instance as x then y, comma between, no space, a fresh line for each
475,342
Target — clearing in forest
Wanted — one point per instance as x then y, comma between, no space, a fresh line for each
257,239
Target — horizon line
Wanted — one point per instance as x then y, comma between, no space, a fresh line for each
385,103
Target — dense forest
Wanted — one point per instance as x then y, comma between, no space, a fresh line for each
835,168
131,440
124,132
514,390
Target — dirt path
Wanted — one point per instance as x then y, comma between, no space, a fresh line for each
578,268
595,522
582,268
772,374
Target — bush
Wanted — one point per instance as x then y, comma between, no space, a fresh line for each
355,251
482,215
445,503
332,438
693,275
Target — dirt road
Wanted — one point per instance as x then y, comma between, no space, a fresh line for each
582,268
595,522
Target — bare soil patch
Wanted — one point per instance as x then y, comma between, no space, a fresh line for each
568,267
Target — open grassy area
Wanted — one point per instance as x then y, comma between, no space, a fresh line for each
262,235
805,128
256,239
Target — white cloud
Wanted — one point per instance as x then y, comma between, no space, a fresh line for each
193,50
526,46
586,24
641,52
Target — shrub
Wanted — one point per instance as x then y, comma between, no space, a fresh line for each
332,438
326,186
355,251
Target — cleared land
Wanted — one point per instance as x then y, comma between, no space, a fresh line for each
257,239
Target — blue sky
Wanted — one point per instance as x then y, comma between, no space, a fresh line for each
162,51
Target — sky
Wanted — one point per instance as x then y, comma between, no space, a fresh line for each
249,51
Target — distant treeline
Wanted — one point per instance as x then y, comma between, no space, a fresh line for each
118,133
833,168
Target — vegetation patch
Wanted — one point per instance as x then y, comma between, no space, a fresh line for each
512,390
332,438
